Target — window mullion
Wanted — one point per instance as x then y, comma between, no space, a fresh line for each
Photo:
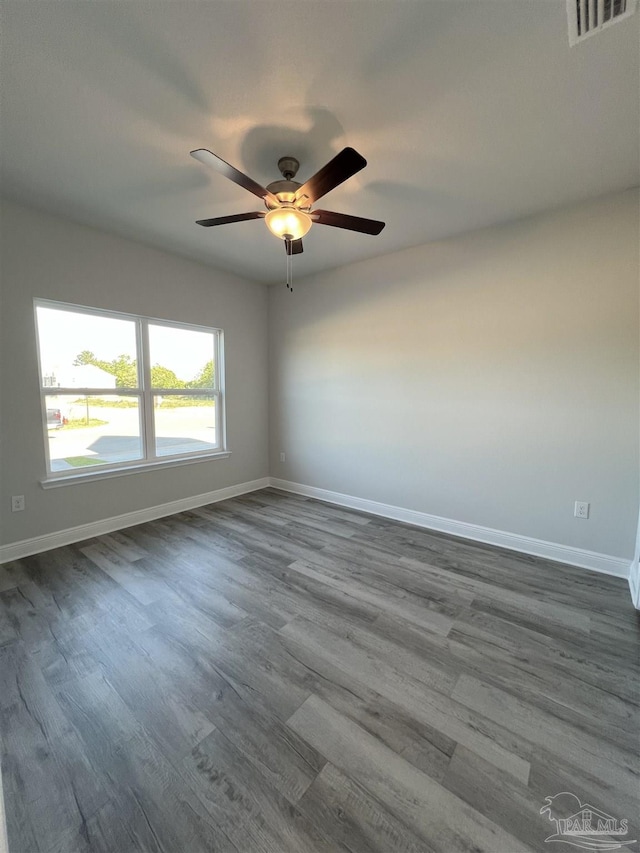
219,380
221,439
47,450
144,371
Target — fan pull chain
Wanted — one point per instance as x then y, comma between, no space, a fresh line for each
289,267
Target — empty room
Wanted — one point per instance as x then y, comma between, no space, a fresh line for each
320,426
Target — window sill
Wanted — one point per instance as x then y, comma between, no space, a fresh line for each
53,481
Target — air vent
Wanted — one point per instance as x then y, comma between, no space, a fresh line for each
587,17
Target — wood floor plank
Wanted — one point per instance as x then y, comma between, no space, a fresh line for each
432,758
67,580
310,672
123,545
558,690
299,594
248,513
300,507
244,803
71,652
521,604
173,722
552,773
28,614
147,788
578,658
354,819
490,569
8,619
274,674
142,586
176,818
405,607
443,820
516,666
35,737
450,718
506,801
553,620
111,829
10,575
289,763
619,768
375,642
196,587
389,575
253,674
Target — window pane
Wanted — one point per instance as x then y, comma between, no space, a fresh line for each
181,358
185,425
86,431
86,351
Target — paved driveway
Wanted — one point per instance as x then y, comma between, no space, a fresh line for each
180,430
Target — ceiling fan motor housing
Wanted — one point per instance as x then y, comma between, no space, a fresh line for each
284,191
289,218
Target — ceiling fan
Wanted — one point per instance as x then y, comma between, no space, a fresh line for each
289,214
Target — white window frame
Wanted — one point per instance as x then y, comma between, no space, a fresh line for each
144,393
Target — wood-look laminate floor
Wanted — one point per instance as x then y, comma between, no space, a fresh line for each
276,674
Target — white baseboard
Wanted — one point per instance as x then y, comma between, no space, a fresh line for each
17,550
634,584
602,563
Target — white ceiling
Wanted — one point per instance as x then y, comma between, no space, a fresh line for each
469,113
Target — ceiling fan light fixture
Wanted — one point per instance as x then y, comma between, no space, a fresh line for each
288,223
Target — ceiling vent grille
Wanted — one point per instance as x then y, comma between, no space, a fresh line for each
587,17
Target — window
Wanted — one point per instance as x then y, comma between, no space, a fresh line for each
120,391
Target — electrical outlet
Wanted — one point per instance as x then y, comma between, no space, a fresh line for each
581,509
283,457
17,503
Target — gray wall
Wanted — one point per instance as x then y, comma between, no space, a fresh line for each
490,379
46,257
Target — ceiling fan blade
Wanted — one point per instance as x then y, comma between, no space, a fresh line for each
235,175
343,220
293,247
343,166
226,220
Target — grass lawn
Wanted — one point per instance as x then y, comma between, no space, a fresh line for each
83,461
79,423
167,403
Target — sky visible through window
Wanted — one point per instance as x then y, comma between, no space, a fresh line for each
65,334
